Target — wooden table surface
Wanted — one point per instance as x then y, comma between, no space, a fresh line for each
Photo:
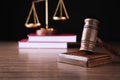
42,64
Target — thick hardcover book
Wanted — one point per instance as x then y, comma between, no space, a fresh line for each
24,43
53,38
84,59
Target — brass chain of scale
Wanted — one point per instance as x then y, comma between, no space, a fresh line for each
61,17
35,17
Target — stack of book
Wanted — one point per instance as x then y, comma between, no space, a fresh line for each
48,41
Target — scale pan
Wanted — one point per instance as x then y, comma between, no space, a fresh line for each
59,18
32,25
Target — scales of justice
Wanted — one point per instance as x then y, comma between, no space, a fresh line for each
58,15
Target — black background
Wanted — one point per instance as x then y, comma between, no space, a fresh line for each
14,14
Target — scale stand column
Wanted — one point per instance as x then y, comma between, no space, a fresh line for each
46,5
47,30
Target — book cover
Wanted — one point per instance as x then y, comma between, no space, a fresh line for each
24,43
84,59
53,38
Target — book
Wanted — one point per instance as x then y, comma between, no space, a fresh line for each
53,38
84,58
24,43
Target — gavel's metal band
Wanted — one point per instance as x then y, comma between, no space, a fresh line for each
91,27
87,45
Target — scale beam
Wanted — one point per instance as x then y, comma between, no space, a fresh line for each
37,1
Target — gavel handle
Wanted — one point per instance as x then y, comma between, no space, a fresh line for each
108,47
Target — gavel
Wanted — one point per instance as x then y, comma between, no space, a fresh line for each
86,56
89,37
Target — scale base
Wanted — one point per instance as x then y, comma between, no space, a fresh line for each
45,32
84,58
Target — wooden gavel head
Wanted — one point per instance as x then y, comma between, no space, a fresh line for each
89,34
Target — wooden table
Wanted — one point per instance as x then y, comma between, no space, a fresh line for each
42,64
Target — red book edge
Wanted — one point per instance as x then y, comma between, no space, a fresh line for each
23,40
62,34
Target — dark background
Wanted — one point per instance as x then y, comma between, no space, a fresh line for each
14,14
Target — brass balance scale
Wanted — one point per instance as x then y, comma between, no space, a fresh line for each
36,23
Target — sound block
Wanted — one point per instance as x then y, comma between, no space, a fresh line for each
85,58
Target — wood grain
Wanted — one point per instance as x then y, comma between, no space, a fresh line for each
41,64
